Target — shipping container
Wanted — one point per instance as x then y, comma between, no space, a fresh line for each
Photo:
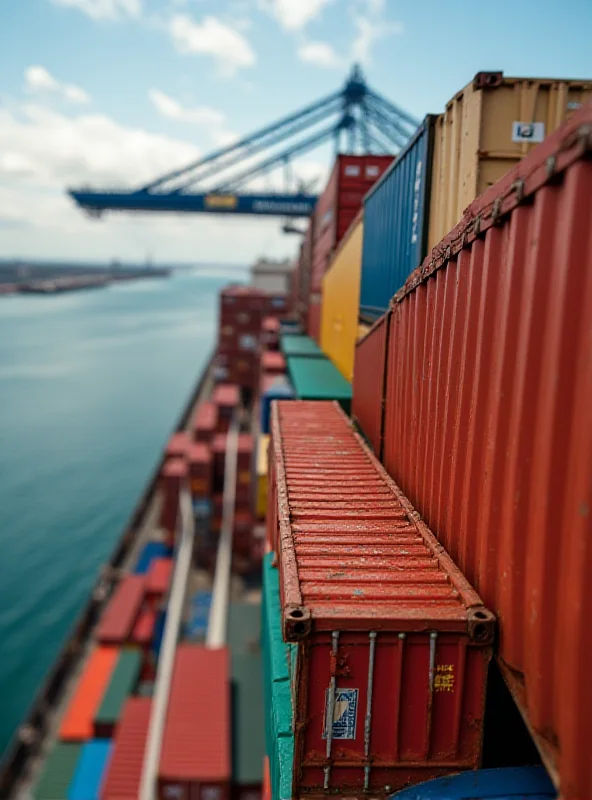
58,771
158,580
244,455
244,628
226,397
396,214
150,551
394,644
119,618
510,783
314,316
199,457
318,379
90,770
261,491
298,345
369,383
487,127
278,657
279,388
341,301
248,735
124,680
143,630
198,616
77,722
273,363
266,789
195,758
177,446
337,207
205,422
303,278
158,632
488,427
124,773
174,475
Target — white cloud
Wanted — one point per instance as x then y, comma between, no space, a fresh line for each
229,48
294,14
368,31
172,109
104,9
38,79
321,54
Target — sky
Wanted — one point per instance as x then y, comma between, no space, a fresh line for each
113,93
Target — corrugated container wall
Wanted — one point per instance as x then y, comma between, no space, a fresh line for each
489,430
369,383
486,128
396,223
124,772
341,300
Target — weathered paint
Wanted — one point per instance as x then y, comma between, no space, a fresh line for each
488,427
396,223
341,301
369,382
383,618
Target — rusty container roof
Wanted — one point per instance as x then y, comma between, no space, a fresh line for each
226,394
122,612
206,417
124,773
196,741
354,553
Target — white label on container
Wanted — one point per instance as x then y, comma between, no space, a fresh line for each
247,342
528,131
416,191
352,170
372,171
345,713
573,105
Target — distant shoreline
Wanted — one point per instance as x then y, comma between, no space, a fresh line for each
49,284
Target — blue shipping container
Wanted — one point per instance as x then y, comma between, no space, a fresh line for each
396,217
86,783
158,632
281,389
151,551
512,783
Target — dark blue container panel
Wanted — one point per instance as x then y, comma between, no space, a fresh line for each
158,632
280,390
396,217
513,783
86,783
151,551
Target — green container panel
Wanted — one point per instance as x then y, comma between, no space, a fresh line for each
248,727
58,771
300,346
123,682
319,379
244,628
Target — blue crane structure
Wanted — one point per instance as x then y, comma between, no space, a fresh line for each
356,116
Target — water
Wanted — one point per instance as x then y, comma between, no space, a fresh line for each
91,384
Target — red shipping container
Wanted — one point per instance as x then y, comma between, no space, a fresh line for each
143,630
119,618
314,317
270,333
337,207
226,397
200,461
204,422
242,537
124,770
173,475
244,457
394,644
177,446
488,427
273,363
195,762
158,580
369,382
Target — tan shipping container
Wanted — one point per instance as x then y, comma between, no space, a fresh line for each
341,302
487,127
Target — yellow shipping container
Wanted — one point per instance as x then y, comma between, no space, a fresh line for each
487,127
341,302
261,494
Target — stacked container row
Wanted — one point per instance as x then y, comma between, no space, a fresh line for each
393,643
486,423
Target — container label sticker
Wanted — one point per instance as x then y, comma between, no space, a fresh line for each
351,169
344,714
173,791
444,678
528,131
372,171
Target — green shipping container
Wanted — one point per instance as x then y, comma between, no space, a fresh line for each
319,379
244,628
279,660
123,682
58,771
248,729
300,346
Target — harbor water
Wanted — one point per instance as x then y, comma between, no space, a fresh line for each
91,384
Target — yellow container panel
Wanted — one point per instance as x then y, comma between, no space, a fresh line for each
261,493
485,131
341,303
